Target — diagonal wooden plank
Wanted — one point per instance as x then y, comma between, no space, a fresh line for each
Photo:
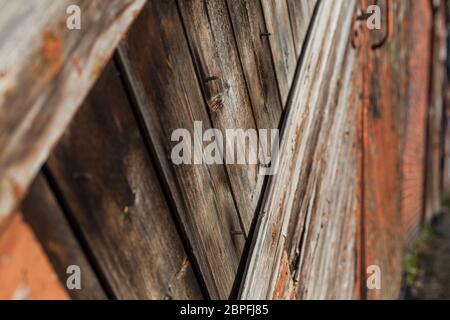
276,16
330,207
104,173
45,72
214,50
156,59
322,61
256,58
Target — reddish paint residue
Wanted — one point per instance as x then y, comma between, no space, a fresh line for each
25,272
51,48
51,52
284,288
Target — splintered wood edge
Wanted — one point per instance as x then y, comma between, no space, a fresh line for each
83,56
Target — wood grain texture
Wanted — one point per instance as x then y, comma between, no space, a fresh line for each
433,182
386,101
214,51
256,58
46,218
276,16
300,13
157,61
46,71
319,74
414,146
330,205
104,173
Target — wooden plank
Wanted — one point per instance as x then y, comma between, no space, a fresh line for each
386,100
104,173
446,167
44,215
330,204
214,51
413,173
322,62
433,184
276,16
256,58
45,75
170,99
300,13
25,272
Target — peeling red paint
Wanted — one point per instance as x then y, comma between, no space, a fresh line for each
25,272
51,51
284,288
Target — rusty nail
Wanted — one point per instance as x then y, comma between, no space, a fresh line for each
212,78
363,16
82,175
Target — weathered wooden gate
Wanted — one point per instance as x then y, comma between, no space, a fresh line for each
360,113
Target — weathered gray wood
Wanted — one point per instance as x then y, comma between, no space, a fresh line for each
104,173
256,58
45,73
278,24
300,13
43,213
266,269
210,36
326,265
156,58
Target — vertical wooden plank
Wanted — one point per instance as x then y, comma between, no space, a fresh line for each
413,180
211,40
276,15
156,59
386,96
435,114
108,181
43,213
25,272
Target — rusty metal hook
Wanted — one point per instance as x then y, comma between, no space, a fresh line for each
362,15
381,43
356,28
